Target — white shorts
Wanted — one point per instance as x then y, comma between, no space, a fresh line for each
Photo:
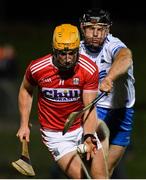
59,144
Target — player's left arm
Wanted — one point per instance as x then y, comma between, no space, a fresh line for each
90,124
90,120
90,92
122,61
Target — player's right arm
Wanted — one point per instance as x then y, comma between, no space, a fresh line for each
25,99
121,63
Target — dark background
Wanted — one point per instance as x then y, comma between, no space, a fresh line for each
59,10
28,26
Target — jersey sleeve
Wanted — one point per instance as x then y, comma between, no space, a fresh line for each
29,75
115,46
92,81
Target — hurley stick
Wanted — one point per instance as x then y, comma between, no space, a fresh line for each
76,114
23,164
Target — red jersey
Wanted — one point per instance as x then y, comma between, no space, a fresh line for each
57,98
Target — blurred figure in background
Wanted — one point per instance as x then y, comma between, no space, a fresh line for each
8,64
8,80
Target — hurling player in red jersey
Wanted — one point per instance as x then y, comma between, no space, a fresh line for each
66,82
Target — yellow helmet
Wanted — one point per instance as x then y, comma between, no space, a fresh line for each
66,36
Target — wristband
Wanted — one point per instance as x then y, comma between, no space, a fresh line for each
89,135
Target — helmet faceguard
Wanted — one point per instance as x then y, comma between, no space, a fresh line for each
67,66
98,19
96,16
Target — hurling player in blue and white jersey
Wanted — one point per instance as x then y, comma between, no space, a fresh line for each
115,64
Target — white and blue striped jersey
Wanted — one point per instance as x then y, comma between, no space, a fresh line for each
123,93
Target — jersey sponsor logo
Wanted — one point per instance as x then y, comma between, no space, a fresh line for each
61,94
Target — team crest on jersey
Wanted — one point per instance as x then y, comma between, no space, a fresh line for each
76,81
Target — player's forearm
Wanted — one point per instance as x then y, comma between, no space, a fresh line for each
122,62
90,122
25,103
90,118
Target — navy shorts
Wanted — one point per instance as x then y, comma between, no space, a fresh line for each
119,122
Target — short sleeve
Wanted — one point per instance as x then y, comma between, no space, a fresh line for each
29,75
92,80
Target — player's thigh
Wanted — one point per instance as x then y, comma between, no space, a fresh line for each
71,165
115,154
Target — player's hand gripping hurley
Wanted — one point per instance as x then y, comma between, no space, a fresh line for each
23,164
75,114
